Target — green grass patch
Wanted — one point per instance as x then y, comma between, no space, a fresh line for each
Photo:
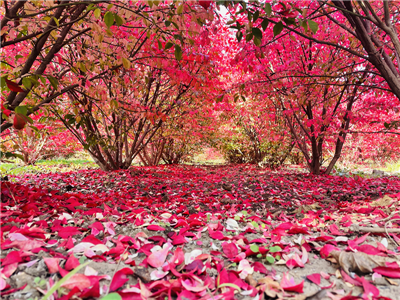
60,165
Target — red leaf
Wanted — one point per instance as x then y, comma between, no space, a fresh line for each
120,278
96,226
230,249
68,231
72,263
155,228
388,272
288,284
259,267
369,288
13,86
291,263
348,279
19,123
178,240
315,278
91,239
93,292
326,249
298,229
205,3
11,258
217,235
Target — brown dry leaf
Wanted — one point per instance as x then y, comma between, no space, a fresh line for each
392,282
307,208
359,261
250,280
273,288
384,201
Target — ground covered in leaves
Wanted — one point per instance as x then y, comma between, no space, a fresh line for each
186,232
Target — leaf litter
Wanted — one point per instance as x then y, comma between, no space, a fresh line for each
228,232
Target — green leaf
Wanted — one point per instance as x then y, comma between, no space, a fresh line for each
42,79
29,119
275,249
23,110
289,21
159,44
109,18
3,83
179,10
27,83
304,25
53,81
178,37
254,248
257,42
264,24
249,37
278,28
112,296
167,23
257,33
97,13
256,15
270,259
118,20
58,284
313,26
178,52
268,9
168,45
255,224
249,16
219,99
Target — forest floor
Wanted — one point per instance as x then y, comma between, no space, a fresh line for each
199,232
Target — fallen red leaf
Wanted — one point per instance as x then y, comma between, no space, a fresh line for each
120,278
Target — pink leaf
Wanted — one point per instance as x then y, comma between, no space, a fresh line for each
52,264
158,258
8,270
77,280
